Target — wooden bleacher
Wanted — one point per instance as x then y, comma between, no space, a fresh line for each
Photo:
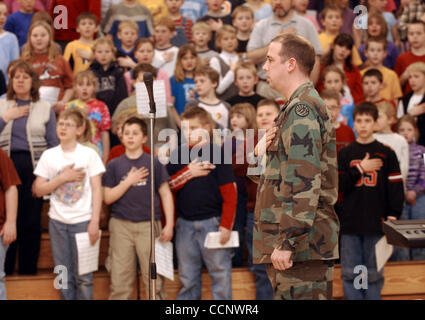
403,280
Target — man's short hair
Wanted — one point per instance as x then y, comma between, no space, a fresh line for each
299,48
374,73
368,108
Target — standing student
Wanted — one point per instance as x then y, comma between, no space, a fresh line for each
9,47
9,179
85,85
243,21
27,128
183,33
182,83
71,173
414,207
371,182
214,189
110,76
201,35
20,21
126,179
79,52
127,34
53,70
372,85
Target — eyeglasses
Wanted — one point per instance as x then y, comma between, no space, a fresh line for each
66,125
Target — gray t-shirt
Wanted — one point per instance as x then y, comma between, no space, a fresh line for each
135,204
265,30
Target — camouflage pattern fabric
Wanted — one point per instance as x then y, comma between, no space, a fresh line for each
298,188
309,280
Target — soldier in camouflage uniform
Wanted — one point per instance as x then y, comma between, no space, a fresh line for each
295,225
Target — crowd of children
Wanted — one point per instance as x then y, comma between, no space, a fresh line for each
208,55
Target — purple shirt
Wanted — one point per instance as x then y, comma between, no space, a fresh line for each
135,204
392,54
416,177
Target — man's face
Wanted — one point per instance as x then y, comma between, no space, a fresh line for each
273,67
281,8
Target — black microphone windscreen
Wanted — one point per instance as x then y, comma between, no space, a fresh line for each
147,77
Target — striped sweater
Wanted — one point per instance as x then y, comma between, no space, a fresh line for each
416,177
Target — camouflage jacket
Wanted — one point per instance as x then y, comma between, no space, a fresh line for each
298,187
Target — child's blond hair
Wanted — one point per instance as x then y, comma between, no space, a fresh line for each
417,66
107,41
246,66
225,29
28,50
128,24
241,9
91,78
248,111
166,22
201,26
387,108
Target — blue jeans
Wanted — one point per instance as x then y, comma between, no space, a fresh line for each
411,213
190,238
263,287
64,251
3,250
359,250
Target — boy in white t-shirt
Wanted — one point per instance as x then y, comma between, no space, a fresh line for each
71,174
165,53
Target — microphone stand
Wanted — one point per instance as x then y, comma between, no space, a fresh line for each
152,266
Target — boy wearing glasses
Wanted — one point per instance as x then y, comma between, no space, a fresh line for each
71,174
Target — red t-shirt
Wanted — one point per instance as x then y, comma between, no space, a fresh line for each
119,150
401,64
74,8
344,136
56,73
8,177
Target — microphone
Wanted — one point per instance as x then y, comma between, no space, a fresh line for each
148,80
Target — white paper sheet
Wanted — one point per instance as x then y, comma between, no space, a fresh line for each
49,94
142,99
383,252
164,259
212,241
88,255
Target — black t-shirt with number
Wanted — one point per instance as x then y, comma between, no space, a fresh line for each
370,197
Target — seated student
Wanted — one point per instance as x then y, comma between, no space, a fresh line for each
130,103
79,52
245,79
183,25
9,179
165,53
344,134
20,21
201,35
372,85
127,189
72,173
213,187
413,103
375,51
384,134
370,179
416,38
216,17
127,10
243,21
206,82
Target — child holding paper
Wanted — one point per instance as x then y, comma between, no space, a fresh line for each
71,173
127,190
